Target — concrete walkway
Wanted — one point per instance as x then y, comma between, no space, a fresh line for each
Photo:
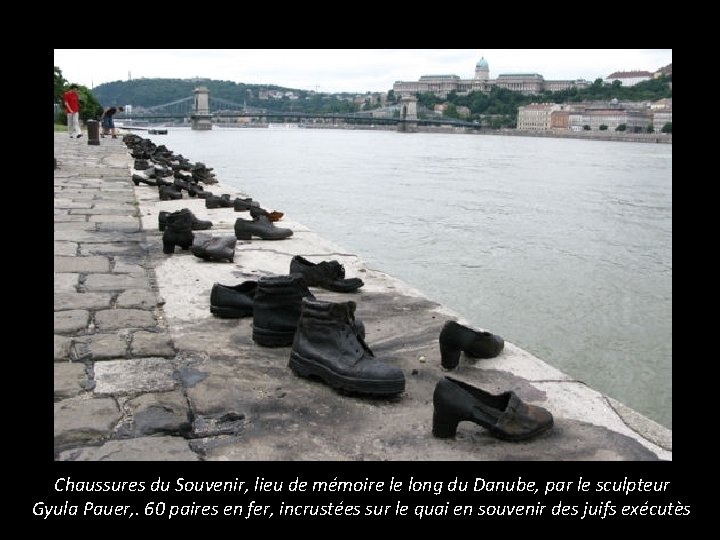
143,371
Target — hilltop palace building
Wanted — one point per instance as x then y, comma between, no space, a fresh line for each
442,85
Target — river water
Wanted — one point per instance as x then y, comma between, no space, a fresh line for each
561,246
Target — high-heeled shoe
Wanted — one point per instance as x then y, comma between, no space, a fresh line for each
505,415
455,337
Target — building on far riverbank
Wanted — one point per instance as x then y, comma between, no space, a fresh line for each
612,116
525,83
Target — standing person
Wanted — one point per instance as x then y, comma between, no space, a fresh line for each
72,108
108,124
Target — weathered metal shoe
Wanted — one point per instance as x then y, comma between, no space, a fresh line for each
243,205
178,232
455,337
197,224
328,345
214,248
138,179
169,193
233,302
272,216
261,227
505,415
222,201
276,309
329,275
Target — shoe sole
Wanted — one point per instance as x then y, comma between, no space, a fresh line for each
272,338
225,312
524,436
340,288
245,235
307,368
445,427
212,258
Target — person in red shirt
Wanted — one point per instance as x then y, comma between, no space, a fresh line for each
72,108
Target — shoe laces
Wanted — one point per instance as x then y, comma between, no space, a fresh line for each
355,330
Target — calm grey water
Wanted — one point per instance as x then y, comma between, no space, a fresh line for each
561,246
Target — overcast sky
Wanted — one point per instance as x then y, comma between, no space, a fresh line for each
345,70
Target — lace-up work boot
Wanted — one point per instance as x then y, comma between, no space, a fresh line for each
328,345
329,275
276,309
260,226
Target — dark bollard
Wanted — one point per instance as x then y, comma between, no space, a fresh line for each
93,127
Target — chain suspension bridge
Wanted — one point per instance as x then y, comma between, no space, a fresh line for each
202,111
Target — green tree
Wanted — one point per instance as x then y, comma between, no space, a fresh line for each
428,100
58,84
90,107
451,111
586,127
621,127
479,102
603,127
667,128
650,129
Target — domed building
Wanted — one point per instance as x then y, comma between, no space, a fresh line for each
442,85
482,70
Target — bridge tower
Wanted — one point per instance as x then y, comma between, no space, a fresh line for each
201,117
408,115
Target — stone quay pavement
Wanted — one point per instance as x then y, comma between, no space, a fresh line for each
144,371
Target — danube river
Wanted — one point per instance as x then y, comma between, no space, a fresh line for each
561,246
